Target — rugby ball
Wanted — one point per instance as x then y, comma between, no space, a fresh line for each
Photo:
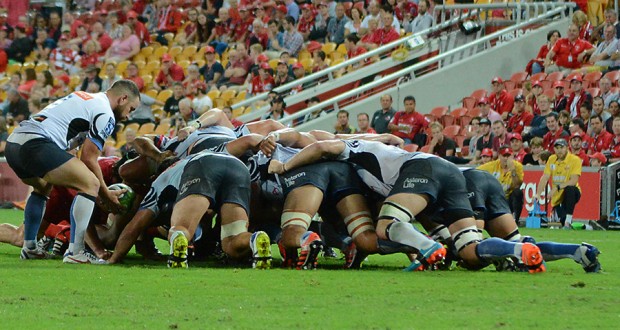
127,198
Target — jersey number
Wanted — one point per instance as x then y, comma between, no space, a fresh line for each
83,95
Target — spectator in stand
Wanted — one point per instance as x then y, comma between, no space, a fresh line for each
568,53
263,82
81,37
281,76
190,26
564,170
578,96
316,113
536,148
129,146
237,69
580,19
213,70
319,63
473,134
606,93
92,76
576,148
486,155
5,41
578,126
259,35
538,64
363,124
335,27
242,25
292,40
186,112
169,20
424,20
17,109
485,141
500,136
98,33
204,29
63,58
342,123
113,27
171,107
555,132
440,144
597,160
276,111
585,112
292,9
131,73
564,117
54,26
62,88
374,9
500,99
221,35
42,45
275,39
614,147
601,138
384,35
614,110
90,55
486,111
43,86
354,50
601,54
21,46
306,21
373,25
201,102
516,144
298,73
409,124
261,15
125,47
234,121
143,113
110,76
509,173
539,124
532,98
598,108
560,100
191,81
354,25
140,30
4,135
169,73
319,28
520,118
382,117
30,81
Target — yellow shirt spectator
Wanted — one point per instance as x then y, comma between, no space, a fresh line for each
560,171
505,175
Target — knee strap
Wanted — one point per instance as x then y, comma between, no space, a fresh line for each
234,228
466,236
358,223
291,218
395,211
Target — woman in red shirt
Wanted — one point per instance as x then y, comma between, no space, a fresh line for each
536,65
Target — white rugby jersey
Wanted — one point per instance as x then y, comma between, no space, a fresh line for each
72,119
180,148
258,166
378,165
163,191
184,148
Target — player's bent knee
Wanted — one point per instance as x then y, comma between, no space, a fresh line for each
367,242
466,238
290,218
233,229
394,211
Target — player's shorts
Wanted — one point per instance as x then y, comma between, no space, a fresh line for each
486,195
222,179
33,156
441,181
336,180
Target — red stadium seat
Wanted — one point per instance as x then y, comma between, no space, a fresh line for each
439,112
509,85
425,148
469,102
518,78
447,120
573,75
592,79
555,76
475,112
411,147
594,91
546,84
458,113
478,94
538,76
550,94
459,139
613,76
452,131
516,92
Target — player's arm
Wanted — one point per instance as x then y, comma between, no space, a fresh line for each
385,138
309,155
213,117
145,147
287,137
90,154
239,146
542,184
572,181
130,234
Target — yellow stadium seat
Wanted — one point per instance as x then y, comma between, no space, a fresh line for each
307,63
134,126
189,51
146,51
121,67
12,68
162,129
139,63
139,57
292,61
28,65
274,63
41,66
164,95
304,54
219,103
174,51
148,80
153,66
237,112
152,93
342,49
328,47
228,95
200,62
146,128
213,94
74,81
169,37
160,51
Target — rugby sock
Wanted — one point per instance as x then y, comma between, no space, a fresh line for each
389,247
497,248
405,233
33,214
81,210
569,220
554,251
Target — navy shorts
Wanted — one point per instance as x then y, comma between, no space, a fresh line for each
222,179
335,179
485,195
441,181
35,158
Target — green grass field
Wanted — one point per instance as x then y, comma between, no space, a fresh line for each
49,294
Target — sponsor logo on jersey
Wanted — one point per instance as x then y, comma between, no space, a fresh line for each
291,180
471,195
186,185
108,129
410,182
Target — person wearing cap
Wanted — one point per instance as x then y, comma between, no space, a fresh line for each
242,25
64,58
577,97
532,98
484,142
499,99
614,147
409,124
92,77
21,46
306,21
597,160
601,139
562,173
138,28
522,118
263,82
486,155
486,111
516,144
560,100
509,173
281,76
576,148
169,73
555,131
212,70
335,26
568,52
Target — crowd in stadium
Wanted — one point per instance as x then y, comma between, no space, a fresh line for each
170,62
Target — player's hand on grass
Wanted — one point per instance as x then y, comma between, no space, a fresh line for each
276,167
